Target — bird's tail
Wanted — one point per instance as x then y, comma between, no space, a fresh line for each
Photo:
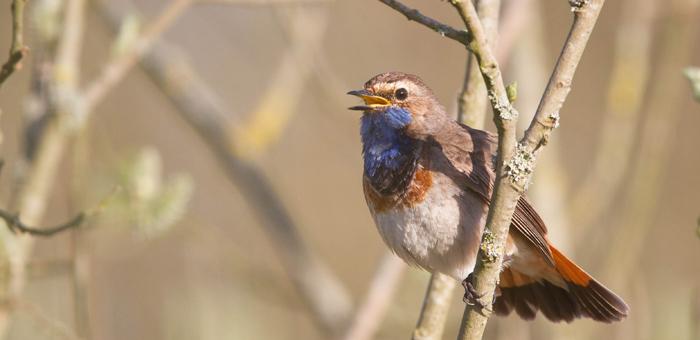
582,295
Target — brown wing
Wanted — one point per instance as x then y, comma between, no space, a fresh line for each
472,152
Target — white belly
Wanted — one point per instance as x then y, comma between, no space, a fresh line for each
441,233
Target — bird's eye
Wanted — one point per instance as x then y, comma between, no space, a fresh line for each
401,94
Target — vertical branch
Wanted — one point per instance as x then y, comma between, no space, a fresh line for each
115,71
473,101
34,193
380,296
471,110
436,305
68,104
505,196
80,272
505,193
17,50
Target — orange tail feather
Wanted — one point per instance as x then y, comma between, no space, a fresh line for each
582,296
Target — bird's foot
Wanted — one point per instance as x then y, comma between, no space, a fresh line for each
471,296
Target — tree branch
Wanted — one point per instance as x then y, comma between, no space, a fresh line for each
471,104
414,15
522,164
115,71
514,166
506,190
35,190
472,100
17,50
436,305
378,299
16,225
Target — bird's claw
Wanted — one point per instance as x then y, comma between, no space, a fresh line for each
471,296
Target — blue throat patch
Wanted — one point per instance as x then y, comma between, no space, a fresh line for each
387,151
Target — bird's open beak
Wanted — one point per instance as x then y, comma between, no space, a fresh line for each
371,102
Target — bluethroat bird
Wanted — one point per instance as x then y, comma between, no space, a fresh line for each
428,181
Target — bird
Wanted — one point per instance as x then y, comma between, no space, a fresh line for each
427,182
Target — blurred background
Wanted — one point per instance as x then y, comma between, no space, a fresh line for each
209,145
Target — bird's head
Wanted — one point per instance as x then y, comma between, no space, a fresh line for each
401,101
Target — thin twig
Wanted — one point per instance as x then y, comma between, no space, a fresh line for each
115,71
414,15
17,50
35,190
436,305
16,225
379,297
67,69
473,101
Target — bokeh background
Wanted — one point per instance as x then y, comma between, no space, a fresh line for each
234,127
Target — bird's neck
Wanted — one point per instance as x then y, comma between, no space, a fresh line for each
390,156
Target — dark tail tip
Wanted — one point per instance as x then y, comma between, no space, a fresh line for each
598,302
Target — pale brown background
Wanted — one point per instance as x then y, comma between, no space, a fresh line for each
215,274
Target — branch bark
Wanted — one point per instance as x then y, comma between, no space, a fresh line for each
471,109
115,71
436,305
17,50
414,15
378,299
16,225
473,101
505,197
